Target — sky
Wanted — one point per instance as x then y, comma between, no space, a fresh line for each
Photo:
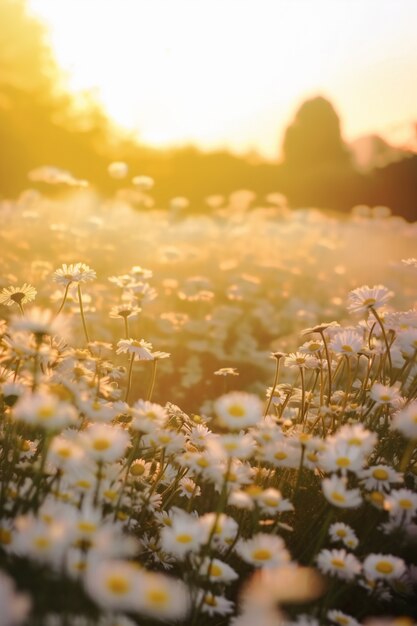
232,73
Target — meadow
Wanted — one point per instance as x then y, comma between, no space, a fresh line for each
207,418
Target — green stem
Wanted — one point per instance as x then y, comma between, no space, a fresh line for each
80,299
388,353
274,386
129,376
63,300
153,378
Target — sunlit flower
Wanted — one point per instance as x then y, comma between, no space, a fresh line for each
336,492
383,566
263,550
185,535
364,298
17,295
43,410
344,533
238,410
163,598
217,571
385,395
104,442
301,359
338,563
115,585
140,348
405,420
73,273
379,477
214,604
346,342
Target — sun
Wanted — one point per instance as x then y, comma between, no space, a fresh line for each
231,73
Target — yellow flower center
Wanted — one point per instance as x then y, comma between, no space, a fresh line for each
184,538
405,503
42,543
339,563
157,597
347,348
369,302
380,474
46,412
343,461
384,567
214,570
87,527
341,533
210,600
280,456
118,585
101,444
261,554
236,410
338,497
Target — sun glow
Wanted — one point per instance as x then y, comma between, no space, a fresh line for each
231,73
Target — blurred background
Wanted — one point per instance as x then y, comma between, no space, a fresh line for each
315,99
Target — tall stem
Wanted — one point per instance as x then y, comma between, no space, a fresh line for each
129,376
384,334
64,299
274,386
80,299
329,368
153,378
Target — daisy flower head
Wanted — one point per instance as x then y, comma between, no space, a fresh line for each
141,349
215,605
336,492
383,567
17,295
401,503
412,262
41,322
226,371
344,533
338,563
126,310
238,409
217,571
118,170
73,273
263,550
379,477
104,442
405,420
43,410
346,342
385,395
365,298
342,619
114,585
184,535
163,597
301,359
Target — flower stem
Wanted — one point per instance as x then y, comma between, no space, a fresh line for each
153,378
274,386
129,376
64,299
80,299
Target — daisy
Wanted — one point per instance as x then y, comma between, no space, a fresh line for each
383,566
379,477
104,442
343,619
74,273
342,457
383,395
215,605
42,410
263,550
336,492
114,585
163,598
217,571
184,535
41,322
364,298
405,420
301,359
338,563
238,410
342,532
226,371
17,295
125,311
346,342
140,349
401,502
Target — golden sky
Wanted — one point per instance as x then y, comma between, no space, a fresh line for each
231,73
